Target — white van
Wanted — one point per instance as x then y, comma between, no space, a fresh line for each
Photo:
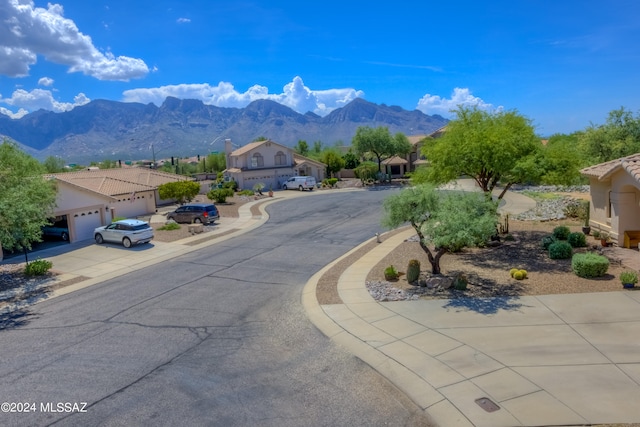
299,183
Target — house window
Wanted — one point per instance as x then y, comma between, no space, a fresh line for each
257,161
281,159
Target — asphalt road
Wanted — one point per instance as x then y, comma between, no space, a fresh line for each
218,337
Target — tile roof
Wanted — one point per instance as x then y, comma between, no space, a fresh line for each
602,171
395,160
105,185
250,146
118,181
300,159
414,139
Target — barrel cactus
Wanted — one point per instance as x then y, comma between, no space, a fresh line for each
413,271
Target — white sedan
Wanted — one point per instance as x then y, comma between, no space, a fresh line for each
127,231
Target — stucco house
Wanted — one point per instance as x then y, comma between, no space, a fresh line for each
415,157
91,198
615,196
269,163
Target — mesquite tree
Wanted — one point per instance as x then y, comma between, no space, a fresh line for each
444,221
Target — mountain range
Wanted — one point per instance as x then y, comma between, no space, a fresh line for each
114,130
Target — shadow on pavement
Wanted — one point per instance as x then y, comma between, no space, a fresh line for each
485,305
15,319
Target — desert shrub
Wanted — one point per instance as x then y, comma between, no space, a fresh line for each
561,232
413,270
560,250
524,274
366,171
513,271
629,277
547,241
38,267
390,273
332,182
118,218
258,187
233,185
518,275
219,195
577,240
170,226
589,265
246,193
574,209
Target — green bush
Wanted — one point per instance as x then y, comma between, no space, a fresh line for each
589,265
518,275
38,267
560,250
561,232
219,195
513,271
628,277
577,240
233,185
246,193
170,226
547,241
413,270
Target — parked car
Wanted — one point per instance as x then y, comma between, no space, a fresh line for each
58,229
299,183
126,231
203,213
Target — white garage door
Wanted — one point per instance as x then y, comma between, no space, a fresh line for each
85,222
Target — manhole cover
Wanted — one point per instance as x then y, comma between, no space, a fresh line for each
487,404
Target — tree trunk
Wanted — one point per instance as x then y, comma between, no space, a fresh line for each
434,261
506,188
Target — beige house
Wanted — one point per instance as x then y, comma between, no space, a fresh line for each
615,197
269,163
415,157
91,198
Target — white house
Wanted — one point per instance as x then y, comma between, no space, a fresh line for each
269,163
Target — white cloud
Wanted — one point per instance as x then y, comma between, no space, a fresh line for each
295,95
21,113
45,81
433,104
37,99
183,20
28,31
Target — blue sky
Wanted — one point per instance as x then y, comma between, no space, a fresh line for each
563,64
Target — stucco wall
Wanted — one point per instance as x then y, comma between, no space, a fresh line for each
268,151
615,205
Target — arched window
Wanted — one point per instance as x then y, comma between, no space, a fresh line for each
281,159
257,161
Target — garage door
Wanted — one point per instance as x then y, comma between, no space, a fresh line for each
84,223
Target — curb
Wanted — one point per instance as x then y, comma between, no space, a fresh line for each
423,394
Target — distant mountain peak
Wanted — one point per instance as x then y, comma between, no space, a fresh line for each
104,129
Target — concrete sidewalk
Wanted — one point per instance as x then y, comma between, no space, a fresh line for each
513,361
